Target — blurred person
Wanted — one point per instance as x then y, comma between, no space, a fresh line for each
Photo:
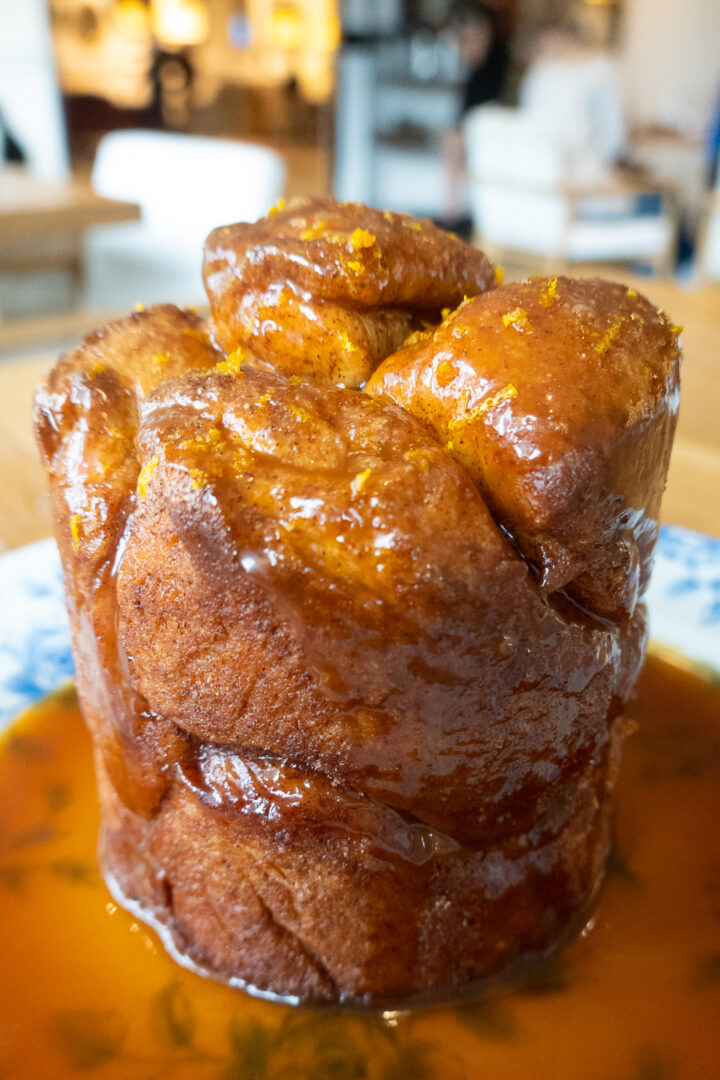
171,77
575,91
483,51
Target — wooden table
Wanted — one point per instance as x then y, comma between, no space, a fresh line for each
692,498
30,205
42,221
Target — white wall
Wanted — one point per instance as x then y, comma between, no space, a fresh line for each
29,93
670,57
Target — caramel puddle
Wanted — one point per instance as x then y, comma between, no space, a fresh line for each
85,988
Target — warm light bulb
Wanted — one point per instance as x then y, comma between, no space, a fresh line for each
180,22
286,27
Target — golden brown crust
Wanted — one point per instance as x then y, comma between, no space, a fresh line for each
325,690
328,289
86,417
86,412
325,894
310,574
559,397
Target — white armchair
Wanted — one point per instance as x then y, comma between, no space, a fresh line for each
522,202
185,186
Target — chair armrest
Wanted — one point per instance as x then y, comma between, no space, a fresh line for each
617,185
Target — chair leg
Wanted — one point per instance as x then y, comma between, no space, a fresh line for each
664,263
76,273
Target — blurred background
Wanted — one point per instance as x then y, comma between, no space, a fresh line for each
558,135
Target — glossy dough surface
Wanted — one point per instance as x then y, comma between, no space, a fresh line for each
354,662
328,289
559,397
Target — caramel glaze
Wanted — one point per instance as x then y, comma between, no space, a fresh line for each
86,420
560,399
327,289
348,745
399,615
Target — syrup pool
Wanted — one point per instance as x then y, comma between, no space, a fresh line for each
86,989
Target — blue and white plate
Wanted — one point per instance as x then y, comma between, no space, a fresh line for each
35,656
